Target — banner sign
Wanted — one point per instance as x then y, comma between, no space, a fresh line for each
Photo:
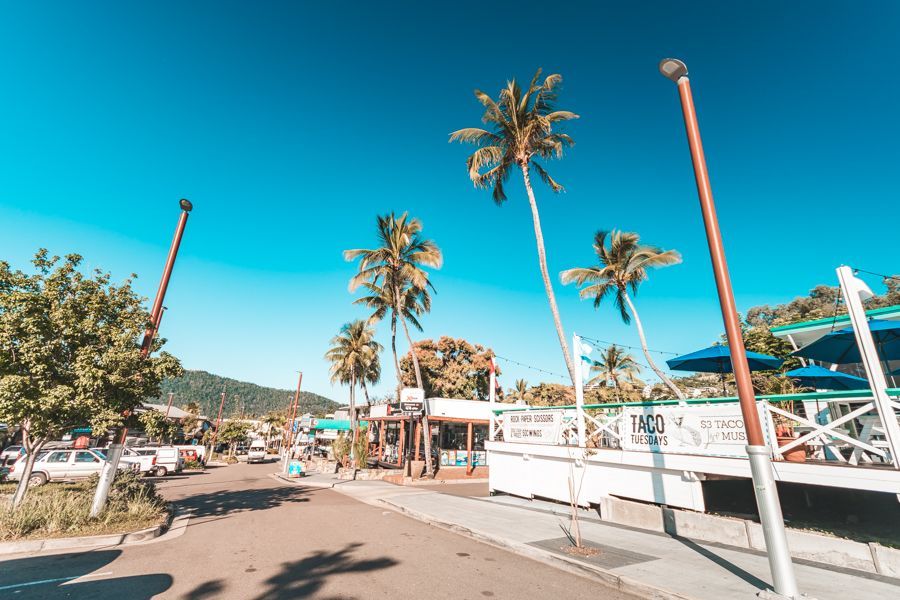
532,426
412,401
711,430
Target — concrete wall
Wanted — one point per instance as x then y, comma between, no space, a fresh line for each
741,533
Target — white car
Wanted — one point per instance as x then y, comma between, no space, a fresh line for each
53,465
168,460
11,453
257,452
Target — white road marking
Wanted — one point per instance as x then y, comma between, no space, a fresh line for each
43,581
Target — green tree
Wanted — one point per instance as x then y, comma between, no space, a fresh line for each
521,389
234,432
394,272
274,422
450,368
622,266
70,352
190,423
352,355
521,126
156,425
616,366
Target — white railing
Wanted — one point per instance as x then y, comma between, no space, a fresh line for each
838,427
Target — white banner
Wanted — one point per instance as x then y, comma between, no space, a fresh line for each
532,426
712,429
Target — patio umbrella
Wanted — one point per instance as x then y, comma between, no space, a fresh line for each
717,359
822,378
840,347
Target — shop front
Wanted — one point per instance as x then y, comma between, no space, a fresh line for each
459,429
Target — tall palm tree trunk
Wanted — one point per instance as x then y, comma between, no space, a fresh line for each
426,428
640,328
542,259
353,427
365,392
394,350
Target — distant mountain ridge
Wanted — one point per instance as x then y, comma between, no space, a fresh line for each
254,400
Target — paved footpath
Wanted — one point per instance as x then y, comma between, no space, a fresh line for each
253,537
651,564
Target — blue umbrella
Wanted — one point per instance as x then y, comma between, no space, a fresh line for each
717,359
822,378
840,347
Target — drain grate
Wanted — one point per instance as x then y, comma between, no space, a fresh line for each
608,558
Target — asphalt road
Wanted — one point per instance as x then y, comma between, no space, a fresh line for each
252,537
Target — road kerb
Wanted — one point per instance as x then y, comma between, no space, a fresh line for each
621,583
92,541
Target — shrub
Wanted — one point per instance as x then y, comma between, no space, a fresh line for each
193,464
341,448
60,509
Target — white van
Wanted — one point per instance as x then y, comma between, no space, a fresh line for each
168,460
257,451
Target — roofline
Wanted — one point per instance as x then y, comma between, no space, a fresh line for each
794,327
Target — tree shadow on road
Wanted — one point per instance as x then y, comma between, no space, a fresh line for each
226,502
305,577
54,575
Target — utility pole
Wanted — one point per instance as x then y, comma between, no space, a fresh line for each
761,472
218,420
169,406
118,446
295,403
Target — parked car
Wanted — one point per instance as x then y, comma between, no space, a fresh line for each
11,453
168,460
198,449
257,451
54,465
145,461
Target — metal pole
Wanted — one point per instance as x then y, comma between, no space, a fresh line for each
760,455
212,445
169,405
290,440
492,399
579,390
117,447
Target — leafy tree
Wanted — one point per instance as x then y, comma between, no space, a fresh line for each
394,275
190,423
70,352
156,425
521,126
233,433
552,394
354,356
616,366
451,368
622,266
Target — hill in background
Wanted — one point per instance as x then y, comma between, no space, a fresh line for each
255,400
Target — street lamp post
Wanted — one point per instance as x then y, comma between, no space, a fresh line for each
118,445
782,568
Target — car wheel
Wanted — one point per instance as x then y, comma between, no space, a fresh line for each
37,479
161,471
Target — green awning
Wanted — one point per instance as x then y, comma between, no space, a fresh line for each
332,424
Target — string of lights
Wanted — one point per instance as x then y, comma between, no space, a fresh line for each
605,343
515,362
883,276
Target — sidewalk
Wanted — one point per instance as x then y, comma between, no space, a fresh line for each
647,564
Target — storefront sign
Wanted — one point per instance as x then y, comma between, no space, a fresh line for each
712,430
532,426
412,401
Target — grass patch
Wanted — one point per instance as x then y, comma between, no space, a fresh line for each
62,509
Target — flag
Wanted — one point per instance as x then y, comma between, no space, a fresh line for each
493,372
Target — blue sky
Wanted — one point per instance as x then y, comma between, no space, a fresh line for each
290,125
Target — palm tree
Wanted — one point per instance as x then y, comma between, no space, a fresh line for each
521,389
521,124
615,365
622,266
273,421
351,355
394,276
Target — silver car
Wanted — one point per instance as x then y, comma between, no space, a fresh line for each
55,465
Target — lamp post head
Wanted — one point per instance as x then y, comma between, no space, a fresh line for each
185,205
672,68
